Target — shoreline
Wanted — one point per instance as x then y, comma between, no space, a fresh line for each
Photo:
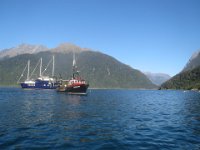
17,86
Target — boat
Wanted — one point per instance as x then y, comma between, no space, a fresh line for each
76,84
42,82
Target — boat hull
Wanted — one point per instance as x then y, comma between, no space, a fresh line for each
39,85
78,89
25,86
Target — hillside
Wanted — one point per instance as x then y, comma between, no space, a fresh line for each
189,78
184,80
101,70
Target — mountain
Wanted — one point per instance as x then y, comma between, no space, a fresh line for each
22,49
157,78
34,49
188,78
101,70
68,47
193,62
184,80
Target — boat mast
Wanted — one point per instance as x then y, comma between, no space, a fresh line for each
53,67
22,73
40,67
74,60
74,65
75,68
28,70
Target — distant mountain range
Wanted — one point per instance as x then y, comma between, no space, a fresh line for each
33,49
157,78
188,78
22,49
101,70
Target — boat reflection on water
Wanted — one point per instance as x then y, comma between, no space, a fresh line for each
74,99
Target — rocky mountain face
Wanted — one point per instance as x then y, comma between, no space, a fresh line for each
101,70
34,49
193,62
68,47
22,49
157,78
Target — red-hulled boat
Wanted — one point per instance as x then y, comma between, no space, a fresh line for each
75,85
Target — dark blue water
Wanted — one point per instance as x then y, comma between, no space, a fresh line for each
105,119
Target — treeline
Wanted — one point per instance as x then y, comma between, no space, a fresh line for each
101,70
185,80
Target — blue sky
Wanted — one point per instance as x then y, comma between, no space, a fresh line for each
149,35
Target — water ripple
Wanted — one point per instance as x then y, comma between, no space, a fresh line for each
105,119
